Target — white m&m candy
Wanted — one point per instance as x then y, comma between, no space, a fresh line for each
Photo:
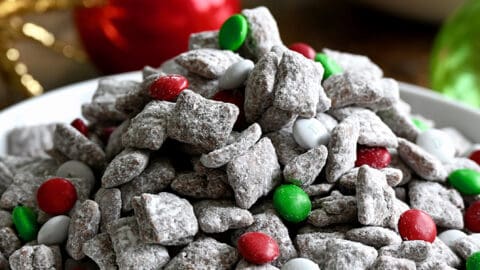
309,133
437,143
236,75
300,264
449,237
54,231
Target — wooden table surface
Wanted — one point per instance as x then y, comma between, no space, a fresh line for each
400,46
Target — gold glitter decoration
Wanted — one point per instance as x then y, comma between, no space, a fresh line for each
13,27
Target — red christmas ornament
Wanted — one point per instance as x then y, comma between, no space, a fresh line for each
80,126
475,156
236,97
126,35
415,224
168,87
472,217
56,196
375,157
303,48
258,248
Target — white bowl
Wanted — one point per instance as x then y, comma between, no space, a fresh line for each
63,105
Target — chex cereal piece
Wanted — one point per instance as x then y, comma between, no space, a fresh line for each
57,254
376,237
334,209
148,71
124,167
157,176
423,163
25,184
84,226
397,163
5,219
33,257
399,122
110,203
207,88
244,265
351,88
327,120
165,219
305,168
392,263
220,216
130,251
416,250
74,145
355,63
254,174
389,97
214,185
259,87
348,181
271,224
344,254
206,253
373,132
222,156
440,254
115,145
102,108
285,145
30,141
148,130
298,86
263,32
462,144
9,241
133,101
444,205
374,197
461,163
202,40
318,189
101,251
342,148
201,122
275,119
466,246
208,63
313,245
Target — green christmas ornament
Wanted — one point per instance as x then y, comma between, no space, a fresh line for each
455,61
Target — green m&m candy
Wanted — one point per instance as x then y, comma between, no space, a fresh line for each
233,33
329,65
292,203
473,262
467,181
25,221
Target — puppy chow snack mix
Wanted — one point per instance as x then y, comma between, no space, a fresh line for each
243,153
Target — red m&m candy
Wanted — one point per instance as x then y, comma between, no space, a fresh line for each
168,87
80,126
415,224
375,157
475,156
304,49
472,217
56,196
258,248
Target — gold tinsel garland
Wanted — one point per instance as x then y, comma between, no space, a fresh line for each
13,27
